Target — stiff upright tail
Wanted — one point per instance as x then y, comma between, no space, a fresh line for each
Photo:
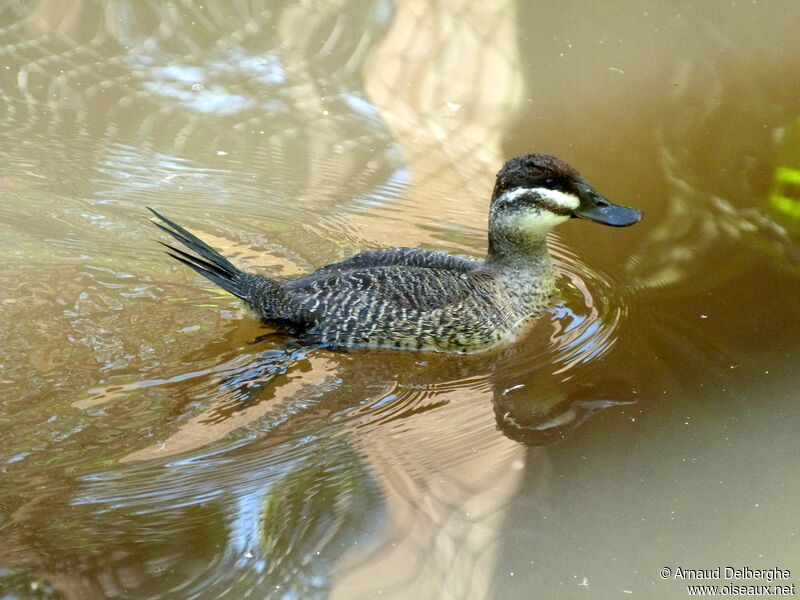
210,263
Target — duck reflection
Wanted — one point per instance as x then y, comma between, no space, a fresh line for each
535,409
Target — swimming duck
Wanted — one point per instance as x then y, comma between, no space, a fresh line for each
423,299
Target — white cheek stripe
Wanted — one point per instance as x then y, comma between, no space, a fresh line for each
565,201
535,223
562,199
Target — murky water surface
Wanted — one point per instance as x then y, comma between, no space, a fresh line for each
157,443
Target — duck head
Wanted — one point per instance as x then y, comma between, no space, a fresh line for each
535,192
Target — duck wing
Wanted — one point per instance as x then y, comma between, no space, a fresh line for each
409,257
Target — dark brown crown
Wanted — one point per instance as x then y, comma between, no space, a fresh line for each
536,170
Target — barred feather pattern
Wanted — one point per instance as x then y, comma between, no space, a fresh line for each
401,298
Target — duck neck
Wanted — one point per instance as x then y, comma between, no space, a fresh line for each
519,250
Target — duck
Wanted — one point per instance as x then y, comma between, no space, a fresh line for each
417,299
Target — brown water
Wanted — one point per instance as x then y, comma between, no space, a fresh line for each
156,443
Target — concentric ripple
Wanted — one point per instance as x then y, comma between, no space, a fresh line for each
587,316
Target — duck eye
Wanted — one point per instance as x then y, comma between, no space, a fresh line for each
550,182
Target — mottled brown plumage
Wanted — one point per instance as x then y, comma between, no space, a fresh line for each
421,299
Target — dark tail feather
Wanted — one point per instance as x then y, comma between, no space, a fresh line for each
210,263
